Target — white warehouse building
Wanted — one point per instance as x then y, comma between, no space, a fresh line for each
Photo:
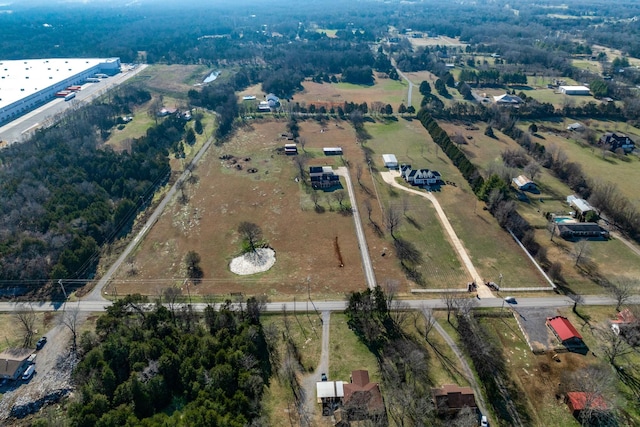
26,84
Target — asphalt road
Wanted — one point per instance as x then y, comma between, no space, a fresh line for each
362,241
43,116
340,305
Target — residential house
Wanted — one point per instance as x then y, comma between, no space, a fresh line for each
564,331
578,401
572,230
13,362
273,101
451,398
575,127
507,99
627,325
615,140
523,183
323,177
420,176
362,398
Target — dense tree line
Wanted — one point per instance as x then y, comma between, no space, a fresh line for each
63,194
157,367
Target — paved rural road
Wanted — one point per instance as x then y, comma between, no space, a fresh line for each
468,373
483,290
96,293
362,242
410,93
339,305
309,382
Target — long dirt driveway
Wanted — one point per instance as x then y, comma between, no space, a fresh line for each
483,291
309,382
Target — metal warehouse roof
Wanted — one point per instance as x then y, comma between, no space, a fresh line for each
21,78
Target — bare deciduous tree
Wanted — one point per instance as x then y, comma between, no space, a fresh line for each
581,251
339,196
301,163
315,198
359,171
368,207
612,345
622,289
251,233
532,170
70,320
392,220
171,295
26,318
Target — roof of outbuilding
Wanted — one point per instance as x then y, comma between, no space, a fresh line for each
563,328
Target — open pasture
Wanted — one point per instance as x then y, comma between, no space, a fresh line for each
227,193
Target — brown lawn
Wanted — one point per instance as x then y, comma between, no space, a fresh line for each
225,195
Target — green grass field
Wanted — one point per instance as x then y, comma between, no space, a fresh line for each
491,249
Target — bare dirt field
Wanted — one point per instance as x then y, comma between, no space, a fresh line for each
387,91
228,193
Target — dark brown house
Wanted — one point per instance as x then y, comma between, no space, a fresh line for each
615,140
362,398
451,398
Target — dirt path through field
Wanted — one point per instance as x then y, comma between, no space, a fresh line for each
483,290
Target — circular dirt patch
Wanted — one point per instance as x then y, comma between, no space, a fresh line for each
253,262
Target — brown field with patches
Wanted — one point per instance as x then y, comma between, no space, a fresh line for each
225,195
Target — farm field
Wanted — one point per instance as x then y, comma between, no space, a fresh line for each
173,81
436,41
625,173
387,91
491,249
608,257
226,194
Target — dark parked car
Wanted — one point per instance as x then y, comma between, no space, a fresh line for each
323,376
41,342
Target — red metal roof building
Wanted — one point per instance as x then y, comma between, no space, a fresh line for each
563,329
578,401
362,398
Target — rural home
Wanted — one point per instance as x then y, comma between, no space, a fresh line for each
615,140
390,161
420,176
323,177
574,90
451,398
624,321
273,101
362,398
580,206
578,401
13,362
571,230
523,183
564,331
507,99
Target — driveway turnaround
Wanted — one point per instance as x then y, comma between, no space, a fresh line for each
483,290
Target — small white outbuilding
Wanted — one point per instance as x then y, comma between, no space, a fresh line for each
390,161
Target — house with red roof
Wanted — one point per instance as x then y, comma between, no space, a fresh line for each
579,401
564,331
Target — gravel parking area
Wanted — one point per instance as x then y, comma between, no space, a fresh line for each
532,323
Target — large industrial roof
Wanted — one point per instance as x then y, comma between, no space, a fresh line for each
21,78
